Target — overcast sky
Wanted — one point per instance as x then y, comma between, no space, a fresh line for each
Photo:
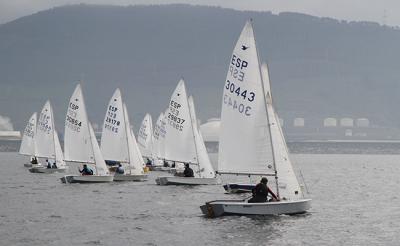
381,11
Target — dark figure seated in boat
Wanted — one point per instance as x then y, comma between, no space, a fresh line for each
149,162
260,192
34,160
54,165
120,170
165,163
48,164
188,172
86,170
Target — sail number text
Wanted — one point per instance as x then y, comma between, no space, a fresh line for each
173,119
110,122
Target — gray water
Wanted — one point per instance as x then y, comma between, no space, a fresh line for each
355,202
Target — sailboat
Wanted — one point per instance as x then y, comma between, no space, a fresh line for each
183,142
80,144
145,137
28,143
251,141
47,142
118,142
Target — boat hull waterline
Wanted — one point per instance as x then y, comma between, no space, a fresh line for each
86,179
131,177
234,207
46,170
239,188
186,181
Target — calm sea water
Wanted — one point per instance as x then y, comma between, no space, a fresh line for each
355,202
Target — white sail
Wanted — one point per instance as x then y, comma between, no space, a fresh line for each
245,141
28,145
205,166
158,137
59,154
77,141
179,140
113,137
288,185
101,168
45,145
136,162
145,136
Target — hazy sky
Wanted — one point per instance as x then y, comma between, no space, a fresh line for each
381,11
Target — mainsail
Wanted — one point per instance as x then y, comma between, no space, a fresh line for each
245,140
77,140
145,137
45,140
113,137
28,144
179,140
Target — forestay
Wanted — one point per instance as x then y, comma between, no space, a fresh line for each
145,136
45,139
179,139
288,184
113,137
77,140
205,166
28,144
245,141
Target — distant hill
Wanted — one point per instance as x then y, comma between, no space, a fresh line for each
319,67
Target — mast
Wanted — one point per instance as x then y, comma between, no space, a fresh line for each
90,135
266,108
126,135
194,137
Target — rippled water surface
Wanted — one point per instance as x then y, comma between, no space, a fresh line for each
355,202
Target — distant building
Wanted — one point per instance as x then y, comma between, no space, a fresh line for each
362,122
10,135
298,122
210,130
330,122
348,133
347,122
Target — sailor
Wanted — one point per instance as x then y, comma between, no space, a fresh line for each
260,192
120,169
34,160
86,170
54,165
188,172
149,162
48,163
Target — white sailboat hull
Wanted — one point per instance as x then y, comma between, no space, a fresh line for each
86,179
130,177
230,207
186,181
32,165
42,169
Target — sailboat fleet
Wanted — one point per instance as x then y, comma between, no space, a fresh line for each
251,141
